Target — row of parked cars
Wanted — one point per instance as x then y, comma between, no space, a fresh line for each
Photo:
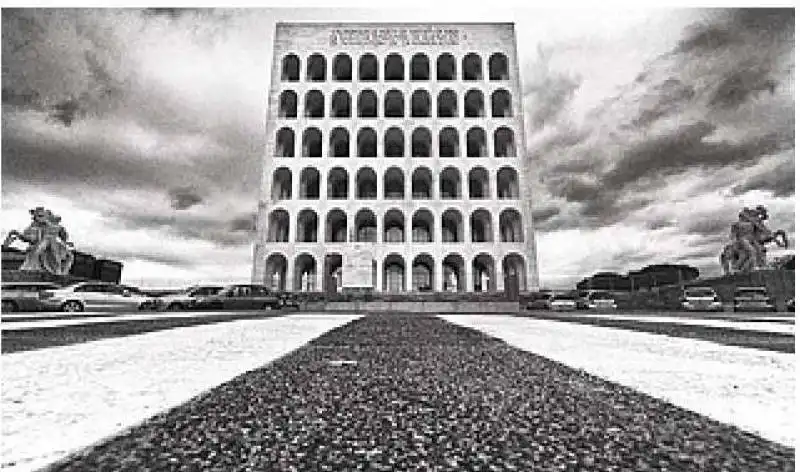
693,299
103,296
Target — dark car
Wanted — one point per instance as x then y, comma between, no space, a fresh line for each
189,297
241,297
289,300
540,301
790,304
24,296
752,299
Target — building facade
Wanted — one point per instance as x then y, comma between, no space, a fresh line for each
406,139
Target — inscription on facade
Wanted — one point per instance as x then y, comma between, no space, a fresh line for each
395,37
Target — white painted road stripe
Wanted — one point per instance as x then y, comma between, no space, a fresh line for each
766,327
751,389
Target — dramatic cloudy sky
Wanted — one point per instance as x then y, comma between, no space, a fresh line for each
647,131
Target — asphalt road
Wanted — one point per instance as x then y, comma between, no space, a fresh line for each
18,340
397,393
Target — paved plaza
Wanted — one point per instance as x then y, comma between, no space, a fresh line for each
390,392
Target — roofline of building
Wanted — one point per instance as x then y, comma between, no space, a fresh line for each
403,23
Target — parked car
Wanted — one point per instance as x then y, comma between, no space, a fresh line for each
289,300
539,301
790,304
189,297
701,299
24,296
752,299
563,302
600,300
102,296
241,297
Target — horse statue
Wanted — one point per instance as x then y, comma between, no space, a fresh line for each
48,247
750,236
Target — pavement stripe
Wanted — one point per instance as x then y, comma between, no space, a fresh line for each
768,327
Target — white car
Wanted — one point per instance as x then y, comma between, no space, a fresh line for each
701,299
563,303
601,301
99,296
188,297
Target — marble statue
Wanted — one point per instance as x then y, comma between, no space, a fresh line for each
484,282
747,250
453,282
49,249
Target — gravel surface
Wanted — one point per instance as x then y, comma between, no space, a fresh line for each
417,393
778,342
17,340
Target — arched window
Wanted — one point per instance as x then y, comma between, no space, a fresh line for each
478,183
498,67
366,226
337,184
342,68
421,143
473,104
367,104
446,67
368,68
450,184
394,184
290,68
312,143
339,143
501,104
307,226
507,183
504,143
511,226
483,273
394,227
420,104
476,143
340,104
288,106
367,143
394,274
282,184
315,70
420,67
393,106
421,184
394,68
336,227
284,143
471,67
448,143
366,184
452,226
278,227
393,143
309,184
480,223
422,273
447,106
422,226
315,104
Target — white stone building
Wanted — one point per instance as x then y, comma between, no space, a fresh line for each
405,137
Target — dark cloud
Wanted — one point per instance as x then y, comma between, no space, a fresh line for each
246,223
709,225
182,198
669,97
574,189
779,180
549,92
542,215
685,148
220,231
659,223
740,85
